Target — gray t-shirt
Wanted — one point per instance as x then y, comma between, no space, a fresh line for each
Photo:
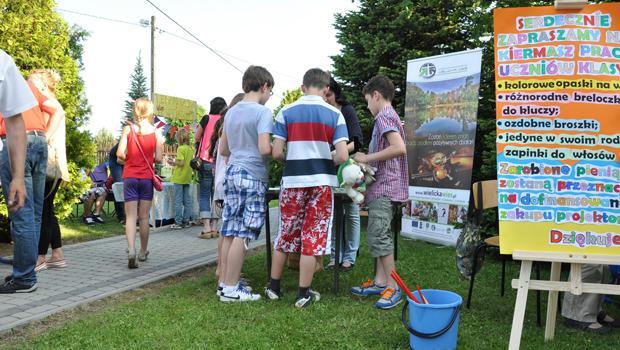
242,125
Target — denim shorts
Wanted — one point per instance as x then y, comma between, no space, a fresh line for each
138,189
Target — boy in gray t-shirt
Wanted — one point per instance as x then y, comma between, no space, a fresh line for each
246,141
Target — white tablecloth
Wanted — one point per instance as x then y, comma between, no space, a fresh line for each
163,205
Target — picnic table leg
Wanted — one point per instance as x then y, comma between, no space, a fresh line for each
268,241
338,217
396,227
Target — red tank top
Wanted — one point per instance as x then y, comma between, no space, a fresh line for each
135,166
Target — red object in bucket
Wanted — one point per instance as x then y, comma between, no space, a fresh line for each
403,286
420,293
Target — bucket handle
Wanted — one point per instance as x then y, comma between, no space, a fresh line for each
428,335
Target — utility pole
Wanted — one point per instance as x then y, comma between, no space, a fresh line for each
153,59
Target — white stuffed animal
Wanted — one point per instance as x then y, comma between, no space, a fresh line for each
354,177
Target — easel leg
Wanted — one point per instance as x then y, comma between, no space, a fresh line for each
552,303
520,304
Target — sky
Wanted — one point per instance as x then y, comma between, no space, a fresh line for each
286,37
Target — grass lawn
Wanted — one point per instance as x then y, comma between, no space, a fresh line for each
185,314
75,231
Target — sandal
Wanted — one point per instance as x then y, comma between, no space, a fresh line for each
614,323
56,264
215,234
330,265
41,266
344,268
205,235
587,326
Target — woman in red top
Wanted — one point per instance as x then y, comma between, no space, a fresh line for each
137,175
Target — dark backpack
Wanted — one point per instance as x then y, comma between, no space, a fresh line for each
470,238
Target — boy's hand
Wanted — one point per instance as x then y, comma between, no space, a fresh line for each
360,157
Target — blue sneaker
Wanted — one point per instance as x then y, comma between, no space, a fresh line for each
389,298
367,288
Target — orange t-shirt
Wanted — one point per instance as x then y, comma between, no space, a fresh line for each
33,118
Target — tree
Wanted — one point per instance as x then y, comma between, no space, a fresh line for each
382,35
276,168
137,89
104,140
37,37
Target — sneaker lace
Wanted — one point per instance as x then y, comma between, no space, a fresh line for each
387,293
368,283
243,290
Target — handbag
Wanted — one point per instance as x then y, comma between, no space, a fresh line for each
197,162
157,182
53,169
470,239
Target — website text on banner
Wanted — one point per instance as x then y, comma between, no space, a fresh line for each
440,125
558,128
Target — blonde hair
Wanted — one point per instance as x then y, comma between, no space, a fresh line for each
143,109
182,136
49,77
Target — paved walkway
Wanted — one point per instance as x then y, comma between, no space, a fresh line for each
98,269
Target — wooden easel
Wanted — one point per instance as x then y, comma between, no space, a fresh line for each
554,285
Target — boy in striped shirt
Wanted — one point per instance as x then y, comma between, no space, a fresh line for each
309,127
387,153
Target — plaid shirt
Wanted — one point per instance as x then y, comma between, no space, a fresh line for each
393,174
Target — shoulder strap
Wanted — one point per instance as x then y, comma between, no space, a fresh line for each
135,137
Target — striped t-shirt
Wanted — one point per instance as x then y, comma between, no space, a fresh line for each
310,126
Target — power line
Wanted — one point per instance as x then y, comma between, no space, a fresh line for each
195,37
171,34
199,43
102,18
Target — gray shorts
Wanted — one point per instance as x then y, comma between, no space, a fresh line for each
379,233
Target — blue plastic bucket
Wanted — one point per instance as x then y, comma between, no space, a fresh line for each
434,325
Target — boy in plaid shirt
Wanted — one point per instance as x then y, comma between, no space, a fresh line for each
386,152
245,140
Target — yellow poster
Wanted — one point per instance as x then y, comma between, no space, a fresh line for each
558,128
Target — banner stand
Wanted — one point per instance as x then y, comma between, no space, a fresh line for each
574,285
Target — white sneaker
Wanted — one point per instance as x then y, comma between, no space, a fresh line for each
240,294
313,296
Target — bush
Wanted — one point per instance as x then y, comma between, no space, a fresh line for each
275,167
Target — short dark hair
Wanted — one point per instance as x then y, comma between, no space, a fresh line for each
255,77
217,105
316,77
382,84
337,90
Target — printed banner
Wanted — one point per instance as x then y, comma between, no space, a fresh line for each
440,123
175,107
558,128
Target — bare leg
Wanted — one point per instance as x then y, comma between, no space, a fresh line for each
385,265
143,215
206,225
99,204
88,205
234,261
218,269
277,264
307,265
131,212
226,243
380,275
57,254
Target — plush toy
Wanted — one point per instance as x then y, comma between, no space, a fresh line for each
354,177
